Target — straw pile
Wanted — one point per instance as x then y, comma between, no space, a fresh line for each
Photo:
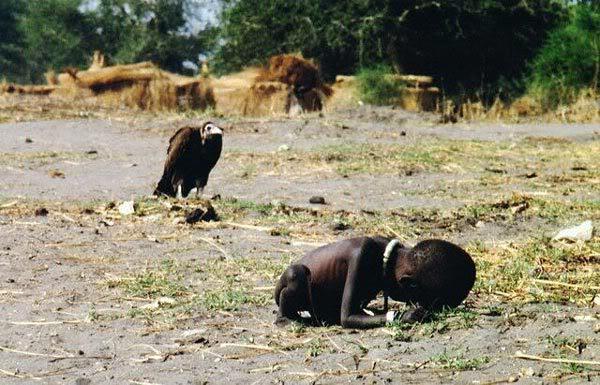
345,93
417,94
141,85
10,88
286,85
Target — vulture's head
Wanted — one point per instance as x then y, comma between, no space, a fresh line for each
210,131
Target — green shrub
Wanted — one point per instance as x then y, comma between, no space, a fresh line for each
377,85
569,61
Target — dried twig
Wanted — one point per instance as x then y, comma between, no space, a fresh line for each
214,244
558,283
264,288
81,358
248,227
10,204
53,356
250,346
2,292
524,356
143,383
66,217
9,350
33,323
267,369
18,375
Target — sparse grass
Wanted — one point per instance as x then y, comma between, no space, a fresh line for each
42,158
539,270
233,282
457,361
542,155
448,319
230,299
164,281
315,348
439,323
531,269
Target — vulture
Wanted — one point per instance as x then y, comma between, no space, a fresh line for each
192,154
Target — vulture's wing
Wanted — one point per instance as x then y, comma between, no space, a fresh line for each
179,144
176,136
179,147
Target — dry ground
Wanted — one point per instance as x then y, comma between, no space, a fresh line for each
90,296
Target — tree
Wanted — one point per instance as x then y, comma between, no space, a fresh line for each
464,44
56,35
570,58
11,55
139,30
65,33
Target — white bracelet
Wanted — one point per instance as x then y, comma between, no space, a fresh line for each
390,316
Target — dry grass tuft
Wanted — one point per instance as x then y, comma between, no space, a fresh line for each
287,80
585,109
539,270
141,86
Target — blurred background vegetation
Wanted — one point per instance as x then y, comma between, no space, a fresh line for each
473,48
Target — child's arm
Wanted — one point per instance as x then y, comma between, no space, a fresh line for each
364,278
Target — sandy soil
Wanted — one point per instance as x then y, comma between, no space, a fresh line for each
63,322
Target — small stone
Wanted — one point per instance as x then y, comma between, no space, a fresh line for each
83,381
194,336
582,232
41,212
275,232
28,140
402,133
317,200
153,218
175,207
56,174
529,372
91,152
283,147
106,222
126,208
339,226
202,214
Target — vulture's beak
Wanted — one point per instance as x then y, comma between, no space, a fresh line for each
212,129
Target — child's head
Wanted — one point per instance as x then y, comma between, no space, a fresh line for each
434,274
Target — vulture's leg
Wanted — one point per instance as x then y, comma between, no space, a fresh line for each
179,195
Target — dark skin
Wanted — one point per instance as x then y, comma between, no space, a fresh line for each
335,282
342,277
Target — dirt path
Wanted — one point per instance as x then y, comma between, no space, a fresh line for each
90,297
